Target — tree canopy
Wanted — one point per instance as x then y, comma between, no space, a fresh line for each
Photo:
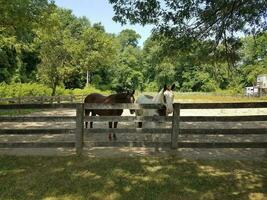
195,18
196,44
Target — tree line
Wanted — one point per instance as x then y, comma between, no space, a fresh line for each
42,43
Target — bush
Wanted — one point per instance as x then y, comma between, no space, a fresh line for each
151,87
35,89
25,89
88,90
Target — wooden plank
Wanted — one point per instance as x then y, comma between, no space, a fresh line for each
79,128
37,145
128,130
222,145
175,126
35,131
128,118
121,106
38,106
223,105
139,106
223,118
129,144
41,99
37,118
224,131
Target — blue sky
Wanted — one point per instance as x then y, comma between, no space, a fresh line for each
101,11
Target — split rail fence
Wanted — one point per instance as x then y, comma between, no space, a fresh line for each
173,131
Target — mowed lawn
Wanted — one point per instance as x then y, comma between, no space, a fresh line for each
80,178
211,97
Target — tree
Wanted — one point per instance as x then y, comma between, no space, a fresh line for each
18,17
128,37
129,63
196,19
8,61
52,41
96,50
254,58
17,22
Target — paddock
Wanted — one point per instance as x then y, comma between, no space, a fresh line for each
206,127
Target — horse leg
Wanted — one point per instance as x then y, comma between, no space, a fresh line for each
115,126
109,135
86,113
91,123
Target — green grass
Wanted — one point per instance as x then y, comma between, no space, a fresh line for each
211,97
80,178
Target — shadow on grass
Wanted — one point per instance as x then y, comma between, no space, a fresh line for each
80,178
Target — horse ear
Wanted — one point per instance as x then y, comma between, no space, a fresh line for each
173,86
165,87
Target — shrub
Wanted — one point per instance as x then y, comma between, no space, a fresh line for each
25,89
35,89
88,90
151,87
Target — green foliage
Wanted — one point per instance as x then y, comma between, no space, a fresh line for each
151,87
18,18
186,19
254,53
127,38
42,43
88,90
165,74
8,63
127,78
21,90
34,89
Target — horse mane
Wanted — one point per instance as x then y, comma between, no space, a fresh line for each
158,98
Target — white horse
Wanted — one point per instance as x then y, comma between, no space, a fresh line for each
165,97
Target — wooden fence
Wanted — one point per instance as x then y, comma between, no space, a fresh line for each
37,131
43,99
174,130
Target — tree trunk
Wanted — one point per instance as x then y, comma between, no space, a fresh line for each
88,78
54,89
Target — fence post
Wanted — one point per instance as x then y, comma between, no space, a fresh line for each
79,128
58,99
175,125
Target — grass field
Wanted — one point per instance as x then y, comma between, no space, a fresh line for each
80,178
211,97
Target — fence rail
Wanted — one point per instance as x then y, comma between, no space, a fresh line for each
44,99
173,130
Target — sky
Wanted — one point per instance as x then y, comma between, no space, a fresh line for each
101,11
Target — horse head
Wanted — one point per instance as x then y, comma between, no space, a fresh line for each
166,97
128,97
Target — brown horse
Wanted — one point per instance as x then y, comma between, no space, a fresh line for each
127,97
